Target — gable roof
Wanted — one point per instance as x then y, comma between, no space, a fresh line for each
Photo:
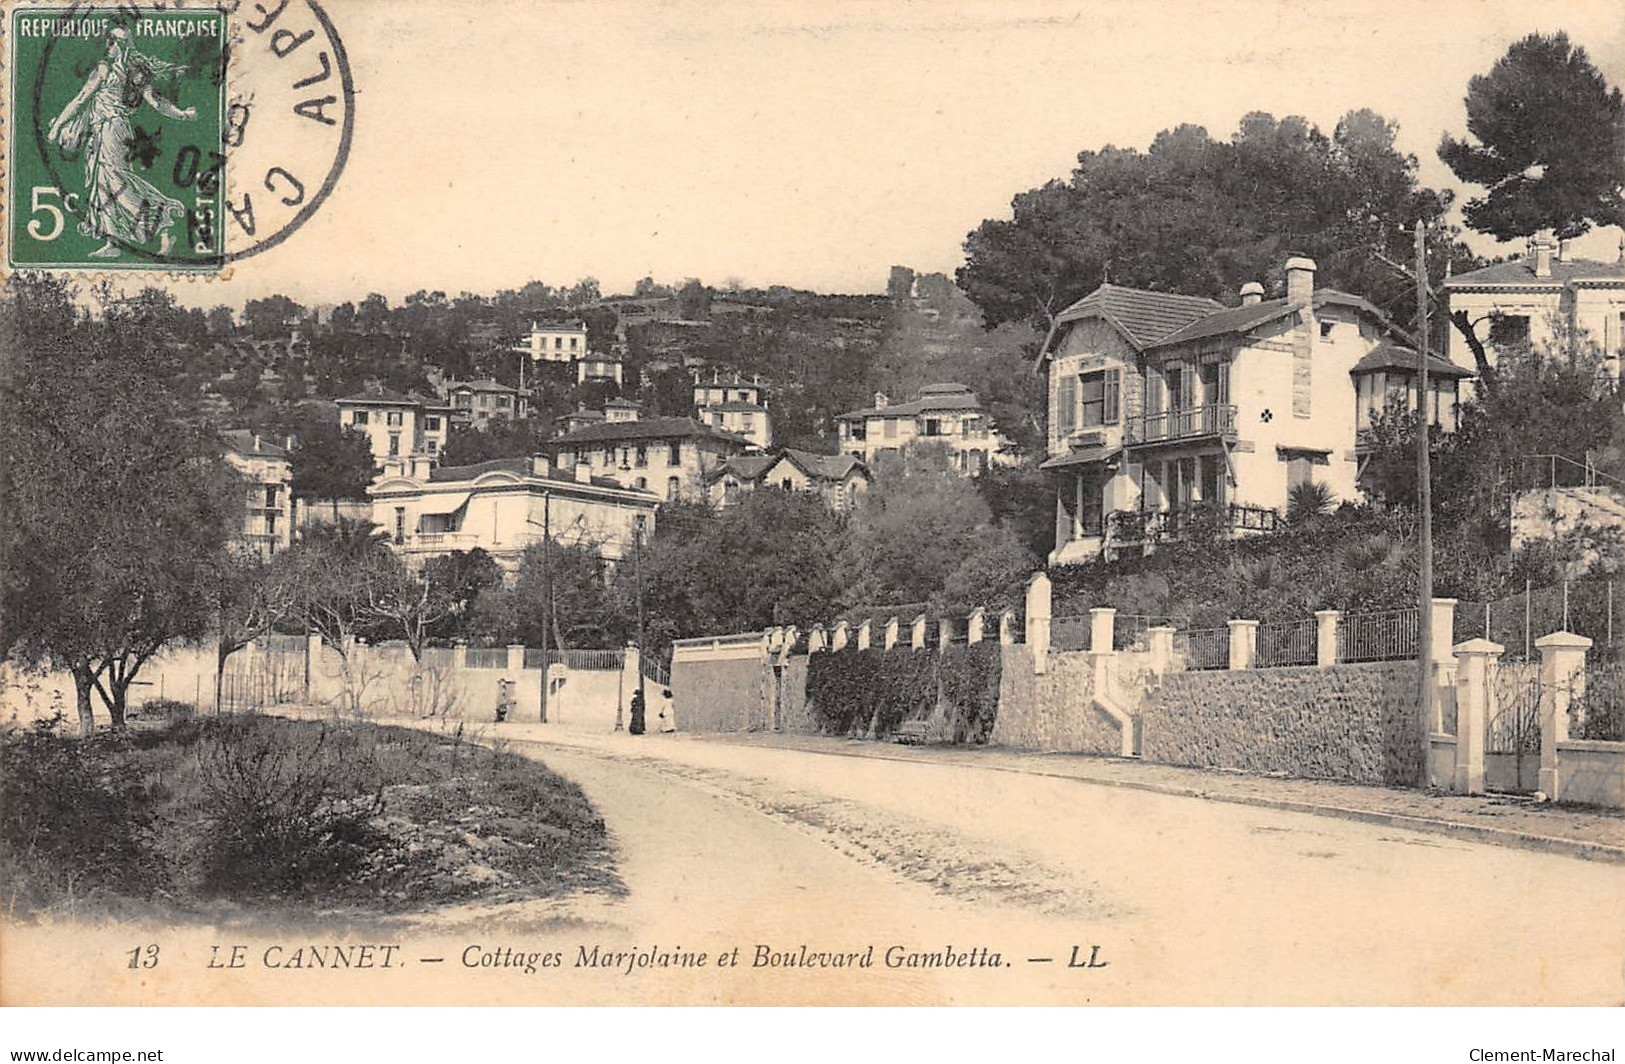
242,442
931,397
752,467
1389,355
486,385
1142,316
646,429
1150,320
744,466
1520,273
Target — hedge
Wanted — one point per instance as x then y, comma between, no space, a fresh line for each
871,692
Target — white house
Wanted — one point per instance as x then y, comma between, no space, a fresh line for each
267,480
555,341
839,478
947,415
503,506
735,406
1163,407
398,425
1540,299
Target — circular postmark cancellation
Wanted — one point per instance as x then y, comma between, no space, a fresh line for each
168,136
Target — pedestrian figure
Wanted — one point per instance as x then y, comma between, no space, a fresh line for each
638,724
668,720
504,699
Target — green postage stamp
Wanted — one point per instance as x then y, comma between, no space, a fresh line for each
116,152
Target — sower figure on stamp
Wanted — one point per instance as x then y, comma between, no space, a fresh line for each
119,204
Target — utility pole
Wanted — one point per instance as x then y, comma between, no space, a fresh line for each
1424,497
547,590
639,706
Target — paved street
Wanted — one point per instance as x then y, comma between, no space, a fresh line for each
1190,901
724,845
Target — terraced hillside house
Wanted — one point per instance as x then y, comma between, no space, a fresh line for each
734,405
1166,409
949,416
839,478
555,341
504,506
483,401
669,456
1541,299
267,478
398,425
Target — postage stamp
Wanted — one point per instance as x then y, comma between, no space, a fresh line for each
170,137
116,138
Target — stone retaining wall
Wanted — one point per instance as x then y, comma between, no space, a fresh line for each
1054,712
1358,723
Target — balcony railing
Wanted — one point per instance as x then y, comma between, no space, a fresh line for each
1215,419
1139,526
432,541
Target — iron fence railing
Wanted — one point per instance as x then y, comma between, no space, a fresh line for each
580,660
1138,526
1389,635
1287,643
1069,633
1203,648
486,658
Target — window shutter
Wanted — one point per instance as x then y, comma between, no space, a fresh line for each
1114,396
1066,406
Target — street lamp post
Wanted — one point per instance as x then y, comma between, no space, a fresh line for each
638,704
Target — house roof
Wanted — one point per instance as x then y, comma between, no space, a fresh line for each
521,467
384,397
1231,320
1520,273
481,386
931,397
242,442
1143,317
752,467
621,404
646,429
743,466
735,406
1389,355
1083,456
822,466
1162,319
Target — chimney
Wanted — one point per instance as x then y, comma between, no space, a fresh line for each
287,442
1543,247
1300,280
256,443
540,466
1252,292
583,472
881,400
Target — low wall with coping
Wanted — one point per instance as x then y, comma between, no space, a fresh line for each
1358,723
1593,772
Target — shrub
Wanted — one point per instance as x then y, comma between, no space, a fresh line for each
72,823
851,691
968,678
281,818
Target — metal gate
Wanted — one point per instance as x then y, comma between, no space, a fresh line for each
1512,742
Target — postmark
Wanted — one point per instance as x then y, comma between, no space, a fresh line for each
171,138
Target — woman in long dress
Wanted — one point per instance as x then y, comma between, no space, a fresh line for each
120,205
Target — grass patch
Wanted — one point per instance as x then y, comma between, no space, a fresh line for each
348,818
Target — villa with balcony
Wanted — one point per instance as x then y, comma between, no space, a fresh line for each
1168,411
504,506
948,416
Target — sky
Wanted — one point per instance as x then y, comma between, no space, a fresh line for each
817,143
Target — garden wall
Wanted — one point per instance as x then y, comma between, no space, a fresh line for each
1358,723
718,695
1055,711
795,715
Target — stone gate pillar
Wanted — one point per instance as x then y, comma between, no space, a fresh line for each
1038,619
1562,679
1474,659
